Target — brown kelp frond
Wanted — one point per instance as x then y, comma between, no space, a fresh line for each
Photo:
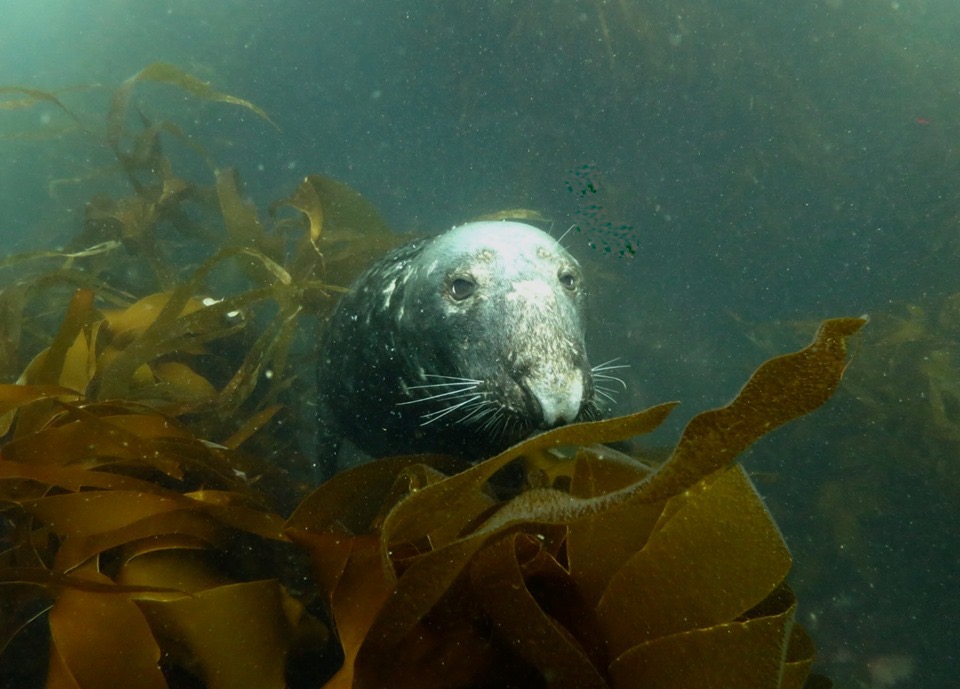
152,355
344,228
20,98
149,445
165,73
134,528
618,582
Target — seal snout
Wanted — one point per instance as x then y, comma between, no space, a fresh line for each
559,399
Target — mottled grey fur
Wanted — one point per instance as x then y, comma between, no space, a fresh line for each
461,344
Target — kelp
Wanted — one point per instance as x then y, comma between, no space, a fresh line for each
693,566
158,533
616,573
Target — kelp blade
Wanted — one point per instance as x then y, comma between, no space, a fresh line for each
702,578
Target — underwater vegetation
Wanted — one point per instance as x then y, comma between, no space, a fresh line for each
158,530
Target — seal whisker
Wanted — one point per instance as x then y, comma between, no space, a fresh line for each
608,365
499,425
456,393
461,401
514,426
486,424
592,411
603,376
466,384
603,393
456,378
453,394
478,411
440,413
560,238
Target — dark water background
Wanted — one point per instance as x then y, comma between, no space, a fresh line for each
771,163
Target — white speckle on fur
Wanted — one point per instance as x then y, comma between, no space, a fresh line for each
533,291
388,293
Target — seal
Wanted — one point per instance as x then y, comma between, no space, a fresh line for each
462,344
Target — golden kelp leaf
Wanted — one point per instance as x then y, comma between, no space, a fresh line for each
131,322
267,353
52,581
251,426
353,234
80,362
306,199
599,544
68,364
808,374
734,654
429,576
169,331
96,440
240,215
50,367
176,572
83,624
518,618
95,250
86,513
13,397
13,304
439,502
233,637
357,585
73,478
79,548
188,384
718,555
31,97
168,74
346,211
350,500
239,512
799,660
780,390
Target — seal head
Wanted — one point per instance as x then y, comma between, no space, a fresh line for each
463,344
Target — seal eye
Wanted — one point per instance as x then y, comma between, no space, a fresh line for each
568,279
461,288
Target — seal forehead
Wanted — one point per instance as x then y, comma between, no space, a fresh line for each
533,291
509,242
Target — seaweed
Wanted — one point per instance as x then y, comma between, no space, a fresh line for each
649,568
158,533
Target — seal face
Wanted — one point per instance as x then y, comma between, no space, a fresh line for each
463,344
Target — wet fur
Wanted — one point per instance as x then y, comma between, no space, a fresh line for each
408,368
